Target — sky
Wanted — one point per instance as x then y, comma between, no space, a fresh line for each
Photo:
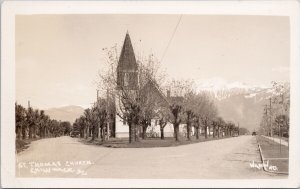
58,56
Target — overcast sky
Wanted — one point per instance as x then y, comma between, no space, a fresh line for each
58,56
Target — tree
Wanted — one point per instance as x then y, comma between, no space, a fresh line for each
76,126
88,120
209,113
279,105
215,125
43,124
94,123
220,124
201,101
46,126
164,116
66,127
20,117
36,122
133,105
154,104
176,110
231,127
180,90
31,120
190,108
101,113
243,131
81,122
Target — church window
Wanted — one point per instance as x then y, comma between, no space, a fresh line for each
126,79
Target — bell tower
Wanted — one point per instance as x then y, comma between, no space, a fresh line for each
127,69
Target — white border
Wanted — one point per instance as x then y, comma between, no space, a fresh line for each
11,8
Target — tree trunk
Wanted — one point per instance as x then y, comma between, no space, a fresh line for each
93,133
19,132
136,133
23,133
162,133
188,127
81,133
176,131
45,132
218,132
205,131
34,131
86,132
144,131
132,133
41,132
197,132
30,132
129,125
102,133
99,131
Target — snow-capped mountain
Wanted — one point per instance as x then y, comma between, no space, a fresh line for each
220,89
239,102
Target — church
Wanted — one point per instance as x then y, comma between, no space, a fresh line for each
128,78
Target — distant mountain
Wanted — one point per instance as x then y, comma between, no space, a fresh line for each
240,103
65,113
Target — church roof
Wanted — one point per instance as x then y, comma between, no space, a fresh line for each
127,59
152,85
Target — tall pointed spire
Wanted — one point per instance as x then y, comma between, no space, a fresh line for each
127,59
127,68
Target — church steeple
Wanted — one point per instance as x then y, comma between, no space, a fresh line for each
127,68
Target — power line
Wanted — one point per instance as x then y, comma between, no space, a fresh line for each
174,31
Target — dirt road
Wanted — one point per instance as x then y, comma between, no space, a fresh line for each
66,157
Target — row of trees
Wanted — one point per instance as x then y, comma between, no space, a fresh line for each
97,121
197,110
193,110
138,107
33,123
275,118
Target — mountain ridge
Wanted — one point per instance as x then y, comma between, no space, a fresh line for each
65,113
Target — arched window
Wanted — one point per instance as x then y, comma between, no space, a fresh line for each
126,79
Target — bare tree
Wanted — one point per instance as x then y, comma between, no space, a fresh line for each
133,104
190,108
208,115
164,116
179,88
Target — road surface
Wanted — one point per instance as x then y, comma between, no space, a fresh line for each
67,157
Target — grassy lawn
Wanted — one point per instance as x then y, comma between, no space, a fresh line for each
146,143
23,144
272,149
282,138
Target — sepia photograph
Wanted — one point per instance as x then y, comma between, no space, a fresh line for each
151,96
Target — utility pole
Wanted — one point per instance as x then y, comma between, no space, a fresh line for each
108,114
97,102
271,118
266,113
